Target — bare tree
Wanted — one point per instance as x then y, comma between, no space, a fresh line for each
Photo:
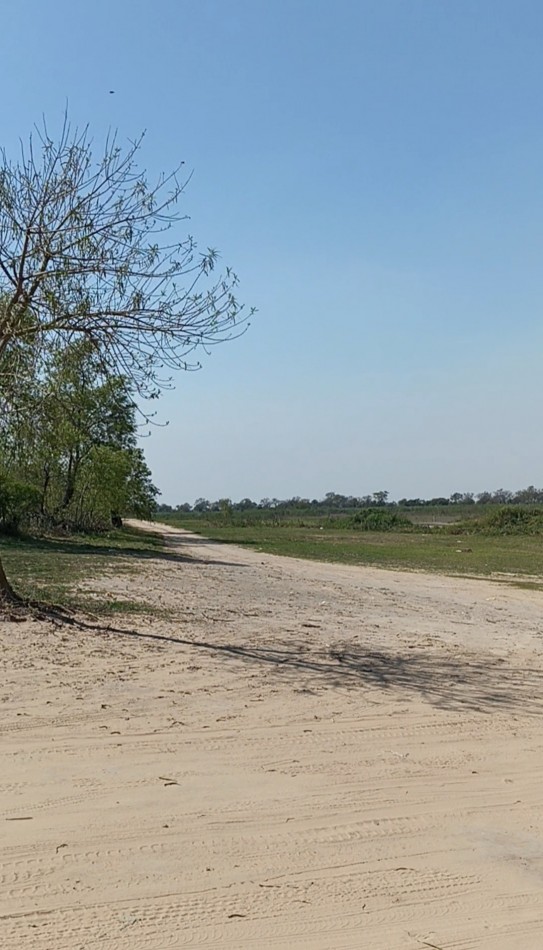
89,249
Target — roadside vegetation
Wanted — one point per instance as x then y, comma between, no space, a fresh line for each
504,542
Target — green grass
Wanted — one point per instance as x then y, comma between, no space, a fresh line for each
49,568
473,554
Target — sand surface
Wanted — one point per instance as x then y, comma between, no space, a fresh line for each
307,756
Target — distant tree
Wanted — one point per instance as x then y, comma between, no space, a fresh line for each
245,504
225,507
502,496
380,497
334,500
528,496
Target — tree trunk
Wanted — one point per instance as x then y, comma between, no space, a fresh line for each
12,607
7,594
68,491
71,477
15,608
6,589
46,480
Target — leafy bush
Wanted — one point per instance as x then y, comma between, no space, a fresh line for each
506,520
513,519
379,519
19,504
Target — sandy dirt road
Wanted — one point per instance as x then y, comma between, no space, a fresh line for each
307,756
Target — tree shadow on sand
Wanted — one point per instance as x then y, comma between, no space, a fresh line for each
485,684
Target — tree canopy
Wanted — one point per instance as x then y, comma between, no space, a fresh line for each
76,457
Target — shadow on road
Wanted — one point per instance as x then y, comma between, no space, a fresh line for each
454,682
79,546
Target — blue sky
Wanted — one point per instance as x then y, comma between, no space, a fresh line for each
373,171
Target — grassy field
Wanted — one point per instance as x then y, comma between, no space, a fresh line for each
471,554
49,568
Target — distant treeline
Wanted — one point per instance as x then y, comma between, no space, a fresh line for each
333,502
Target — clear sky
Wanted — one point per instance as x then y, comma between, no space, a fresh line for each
373,170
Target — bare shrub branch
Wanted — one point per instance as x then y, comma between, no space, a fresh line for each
85,253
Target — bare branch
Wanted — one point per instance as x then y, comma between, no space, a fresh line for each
82,255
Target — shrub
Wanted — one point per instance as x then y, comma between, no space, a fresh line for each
377,519
513,519
506,520
19,504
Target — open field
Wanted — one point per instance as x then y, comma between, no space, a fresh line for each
310,755
475,554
